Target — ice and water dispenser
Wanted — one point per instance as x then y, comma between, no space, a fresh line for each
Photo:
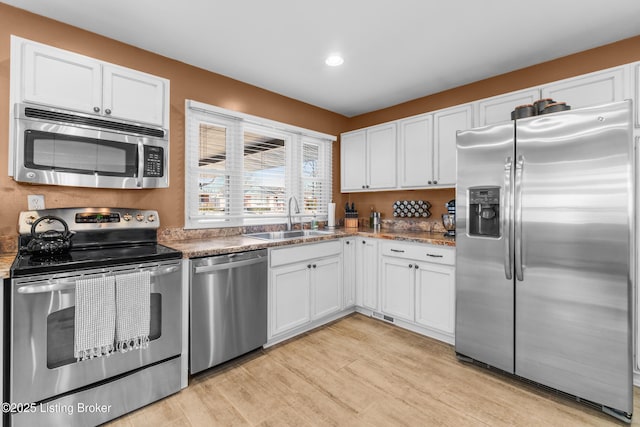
484,211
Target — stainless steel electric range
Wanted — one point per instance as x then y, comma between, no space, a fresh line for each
57,248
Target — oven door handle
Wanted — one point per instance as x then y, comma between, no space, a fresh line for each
55,285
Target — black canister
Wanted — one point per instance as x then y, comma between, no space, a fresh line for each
541,103
523,111
555,107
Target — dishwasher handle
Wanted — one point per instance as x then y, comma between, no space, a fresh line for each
227,265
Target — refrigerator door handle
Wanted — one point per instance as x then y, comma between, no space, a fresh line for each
506,218
518,218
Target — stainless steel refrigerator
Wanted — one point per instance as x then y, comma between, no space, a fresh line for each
543,246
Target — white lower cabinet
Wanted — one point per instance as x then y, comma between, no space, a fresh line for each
305,285
417,283
435,296
409,284
367,273
326,283
397,280
290,289
349,271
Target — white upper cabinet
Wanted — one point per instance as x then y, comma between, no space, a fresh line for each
66,80
415,146
447,123
497,109
381,157
58,78
368,159
353,161
588,90
132,95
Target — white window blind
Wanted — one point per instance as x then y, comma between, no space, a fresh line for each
242,170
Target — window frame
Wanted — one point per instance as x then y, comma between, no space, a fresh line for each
236,124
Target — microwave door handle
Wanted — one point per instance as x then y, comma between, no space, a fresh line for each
140,162
506,218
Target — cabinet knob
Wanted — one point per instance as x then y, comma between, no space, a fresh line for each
364,242
308,265
435,182
363,186
416,266
410,265
367,186
429,182
96,109
107,111
347,242
314,266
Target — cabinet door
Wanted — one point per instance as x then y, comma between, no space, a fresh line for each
132,95
327,286
415,148
353,159
447,123
349,272
61,79
498,108
367,274
435,296
397,287
290,296
588,90
381,150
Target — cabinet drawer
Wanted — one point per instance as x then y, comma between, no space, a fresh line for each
299,253
419,252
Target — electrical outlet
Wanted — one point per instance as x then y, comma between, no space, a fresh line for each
35,201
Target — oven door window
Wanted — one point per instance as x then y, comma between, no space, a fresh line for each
60,332
78,154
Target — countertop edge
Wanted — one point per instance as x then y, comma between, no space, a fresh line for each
197,248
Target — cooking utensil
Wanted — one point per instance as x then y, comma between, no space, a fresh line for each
49,242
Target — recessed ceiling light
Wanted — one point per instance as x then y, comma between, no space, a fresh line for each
334,60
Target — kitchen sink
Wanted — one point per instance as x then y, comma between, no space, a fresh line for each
291,234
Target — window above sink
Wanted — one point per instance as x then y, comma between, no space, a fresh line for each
242,170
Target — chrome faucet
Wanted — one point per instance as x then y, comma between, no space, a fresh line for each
289,211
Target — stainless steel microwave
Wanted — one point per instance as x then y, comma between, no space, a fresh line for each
58,147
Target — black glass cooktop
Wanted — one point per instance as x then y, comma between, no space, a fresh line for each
84,258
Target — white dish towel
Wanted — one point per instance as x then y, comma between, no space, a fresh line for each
133,300
95,316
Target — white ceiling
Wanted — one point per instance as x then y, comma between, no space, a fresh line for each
394,51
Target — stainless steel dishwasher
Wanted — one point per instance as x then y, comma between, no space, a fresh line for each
228,307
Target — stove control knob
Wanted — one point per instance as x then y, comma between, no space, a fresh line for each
151,218
30,219
140,217
127,217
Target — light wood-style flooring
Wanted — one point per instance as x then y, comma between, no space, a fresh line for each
360,371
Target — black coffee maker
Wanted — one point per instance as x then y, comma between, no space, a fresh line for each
449,219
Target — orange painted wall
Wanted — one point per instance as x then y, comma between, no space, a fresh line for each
189,82
622,52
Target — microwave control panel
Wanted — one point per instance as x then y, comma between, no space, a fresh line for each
153,161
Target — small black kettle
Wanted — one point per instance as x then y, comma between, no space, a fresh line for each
49,242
